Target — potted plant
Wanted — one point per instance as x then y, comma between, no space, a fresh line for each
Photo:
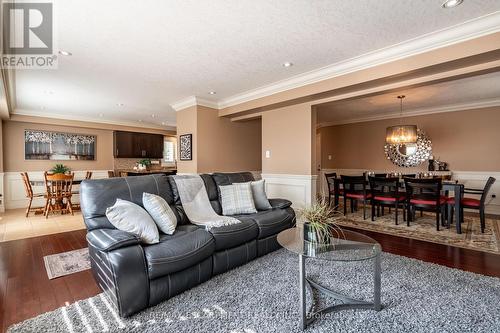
319,222
60,168
144,164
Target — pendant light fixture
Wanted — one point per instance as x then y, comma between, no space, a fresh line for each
401,134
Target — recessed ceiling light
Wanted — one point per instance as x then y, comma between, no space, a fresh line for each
287,64
153,115
163,123
101,115
65,53
120,104
42,107
49,92
451,3
140,120
212,92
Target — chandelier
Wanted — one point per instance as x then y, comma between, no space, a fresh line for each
401,134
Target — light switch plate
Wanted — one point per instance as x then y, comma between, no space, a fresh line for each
268,153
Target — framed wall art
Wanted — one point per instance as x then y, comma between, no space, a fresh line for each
186,147
45,145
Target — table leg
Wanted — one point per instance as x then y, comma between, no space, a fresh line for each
377,281
458,211
302,291
336,188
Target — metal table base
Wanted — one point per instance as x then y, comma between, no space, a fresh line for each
308,316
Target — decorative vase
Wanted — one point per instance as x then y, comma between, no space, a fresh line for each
431,165
311,235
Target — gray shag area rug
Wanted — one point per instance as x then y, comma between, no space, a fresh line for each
262,296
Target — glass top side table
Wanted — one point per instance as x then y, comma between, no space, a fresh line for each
346,246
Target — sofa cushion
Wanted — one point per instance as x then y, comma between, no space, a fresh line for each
233,235
237,199
161,212
132,218
271,222
259,195
185,248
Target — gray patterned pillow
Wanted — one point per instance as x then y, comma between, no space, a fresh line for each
237,199
127,216
160,211
259,195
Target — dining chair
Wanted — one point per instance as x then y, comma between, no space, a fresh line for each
88,174
331,178
58,187
30,195
425,195
355,190
380,175
473,203
386,192
111,174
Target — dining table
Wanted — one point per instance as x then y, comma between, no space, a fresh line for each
452,186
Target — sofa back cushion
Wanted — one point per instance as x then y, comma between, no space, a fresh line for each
98,194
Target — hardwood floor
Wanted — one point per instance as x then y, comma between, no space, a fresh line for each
26,291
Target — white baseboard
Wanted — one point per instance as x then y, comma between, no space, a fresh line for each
299,189
471,179
15,195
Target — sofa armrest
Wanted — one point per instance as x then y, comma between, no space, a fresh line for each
111,239
280,203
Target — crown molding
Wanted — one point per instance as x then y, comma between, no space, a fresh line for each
193,101
43,114
468,30
419,112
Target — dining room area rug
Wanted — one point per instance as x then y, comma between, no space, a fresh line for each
424,228
66,263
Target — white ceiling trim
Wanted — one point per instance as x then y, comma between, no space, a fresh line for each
41,114
468,30
192,101
418,112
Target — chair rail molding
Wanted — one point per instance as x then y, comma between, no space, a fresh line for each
15,195
299,189
473,179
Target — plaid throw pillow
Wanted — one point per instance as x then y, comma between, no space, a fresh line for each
237,199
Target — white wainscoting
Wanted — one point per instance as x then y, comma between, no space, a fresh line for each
471,179
15,195
299,189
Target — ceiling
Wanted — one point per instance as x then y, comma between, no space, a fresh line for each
461,94
132,59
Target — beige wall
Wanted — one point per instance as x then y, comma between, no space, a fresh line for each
467,140
13,144
218,143
287,133
226,146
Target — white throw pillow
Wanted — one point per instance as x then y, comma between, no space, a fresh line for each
129,217
237,199
160,211
259,195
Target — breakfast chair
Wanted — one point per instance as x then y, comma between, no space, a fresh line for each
30,195
385,192
331,178
355,190
425,195
111,174
473,203
58,187
88,174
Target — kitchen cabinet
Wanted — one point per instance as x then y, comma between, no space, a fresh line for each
137,145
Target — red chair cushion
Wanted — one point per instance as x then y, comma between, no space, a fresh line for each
358,196
381,198
442,201
471,202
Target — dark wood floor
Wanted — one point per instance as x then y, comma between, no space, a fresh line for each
25,290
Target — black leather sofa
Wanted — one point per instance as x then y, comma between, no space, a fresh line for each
135,276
